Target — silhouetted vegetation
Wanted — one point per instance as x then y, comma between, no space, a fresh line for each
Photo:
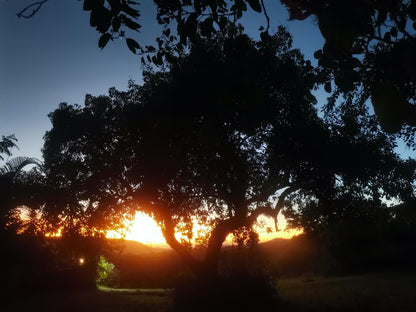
226,129
163,149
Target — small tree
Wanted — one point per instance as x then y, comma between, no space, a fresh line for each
107,274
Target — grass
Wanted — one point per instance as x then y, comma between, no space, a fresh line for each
392,291
383,292
100,300
143,291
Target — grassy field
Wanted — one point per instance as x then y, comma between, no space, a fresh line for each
101,300
372,292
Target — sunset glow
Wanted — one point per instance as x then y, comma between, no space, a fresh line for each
55,234
145,230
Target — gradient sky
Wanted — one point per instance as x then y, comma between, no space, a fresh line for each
54,57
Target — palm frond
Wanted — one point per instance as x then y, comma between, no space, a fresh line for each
16,164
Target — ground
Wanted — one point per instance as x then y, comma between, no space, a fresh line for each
381,292
389,291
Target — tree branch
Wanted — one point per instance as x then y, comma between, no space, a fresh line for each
266,15
36,7
168,231
269,211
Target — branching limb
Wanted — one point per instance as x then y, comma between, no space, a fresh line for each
266,15
35,7
168,231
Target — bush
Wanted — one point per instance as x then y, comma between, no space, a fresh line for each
107,274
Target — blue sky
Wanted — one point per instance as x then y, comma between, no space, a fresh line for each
54,57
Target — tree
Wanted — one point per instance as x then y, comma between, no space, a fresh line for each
14,184
191,143
107,274
366,169
227,134
351,222
6,143
368,44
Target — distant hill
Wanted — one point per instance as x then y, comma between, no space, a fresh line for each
276,243
135,247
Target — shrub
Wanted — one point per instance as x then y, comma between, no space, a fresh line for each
107,274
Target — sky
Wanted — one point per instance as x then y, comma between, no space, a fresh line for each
54,57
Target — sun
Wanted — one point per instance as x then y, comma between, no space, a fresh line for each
145,230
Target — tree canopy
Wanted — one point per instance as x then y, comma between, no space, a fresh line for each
223,136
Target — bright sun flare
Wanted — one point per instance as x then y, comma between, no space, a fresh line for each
145,230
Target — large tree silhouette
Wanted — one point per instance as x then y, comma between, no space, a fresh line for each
223,136
211,139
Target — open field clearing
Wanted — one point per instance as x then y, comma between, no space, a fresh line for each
391,291
394,291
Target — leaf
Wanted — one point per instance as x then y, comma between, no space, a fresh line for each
255,5
130,11
130,24
318,54
401,24
190,25
412,10
150,49
132,45
115,6
101,18
240,6
116,23
166,32
206,27
102,42
328,87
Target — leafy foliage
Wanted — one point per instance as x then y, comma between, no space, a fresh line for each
17,187
227,134
164,149
107,274
6,143
366,169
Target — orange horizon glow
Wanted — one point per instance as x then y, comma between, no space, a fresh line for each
55,234
145,230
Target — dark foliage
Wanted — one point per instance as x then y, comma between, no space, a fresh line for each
217,135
